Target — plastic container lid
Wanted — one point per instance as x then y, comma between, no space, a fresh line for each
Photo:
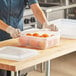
16,53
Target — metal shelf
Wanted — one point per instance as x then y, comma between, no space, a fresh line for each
71,15
66,7
59,8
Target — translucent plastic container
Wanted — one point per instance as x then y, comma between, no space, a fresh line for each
41,42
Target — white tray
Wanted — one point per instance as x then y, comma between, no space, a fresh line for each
16,53
67,27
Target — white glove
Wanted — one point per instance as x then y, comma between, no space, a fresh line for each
14,33
52,27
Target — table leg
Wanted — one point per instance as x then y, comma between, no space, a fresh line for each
40,67
15,73
35,67
12,73
47,68
67,11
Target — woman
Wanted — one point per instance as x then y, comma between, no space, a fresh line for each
11,12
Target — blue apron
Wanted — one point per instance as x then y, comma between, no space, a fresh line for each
11,12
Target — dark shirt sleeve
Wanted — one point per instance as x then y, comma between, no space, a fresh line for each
32,1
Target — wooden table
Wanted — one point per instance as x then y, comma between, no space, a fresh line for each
66,46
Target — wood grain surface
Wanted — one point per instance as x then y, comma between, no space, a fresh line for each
66,46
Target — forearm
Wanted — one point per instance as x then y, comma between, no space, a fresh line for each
3,26
39,14
14,33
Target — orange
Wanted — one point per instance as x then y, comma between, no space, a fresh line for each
28,34
44,35
36,34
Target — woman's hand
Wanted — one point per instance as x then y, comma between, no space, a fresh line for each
14,33
52,27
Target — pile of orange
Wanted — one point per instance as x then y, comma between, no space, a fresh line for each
38,35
